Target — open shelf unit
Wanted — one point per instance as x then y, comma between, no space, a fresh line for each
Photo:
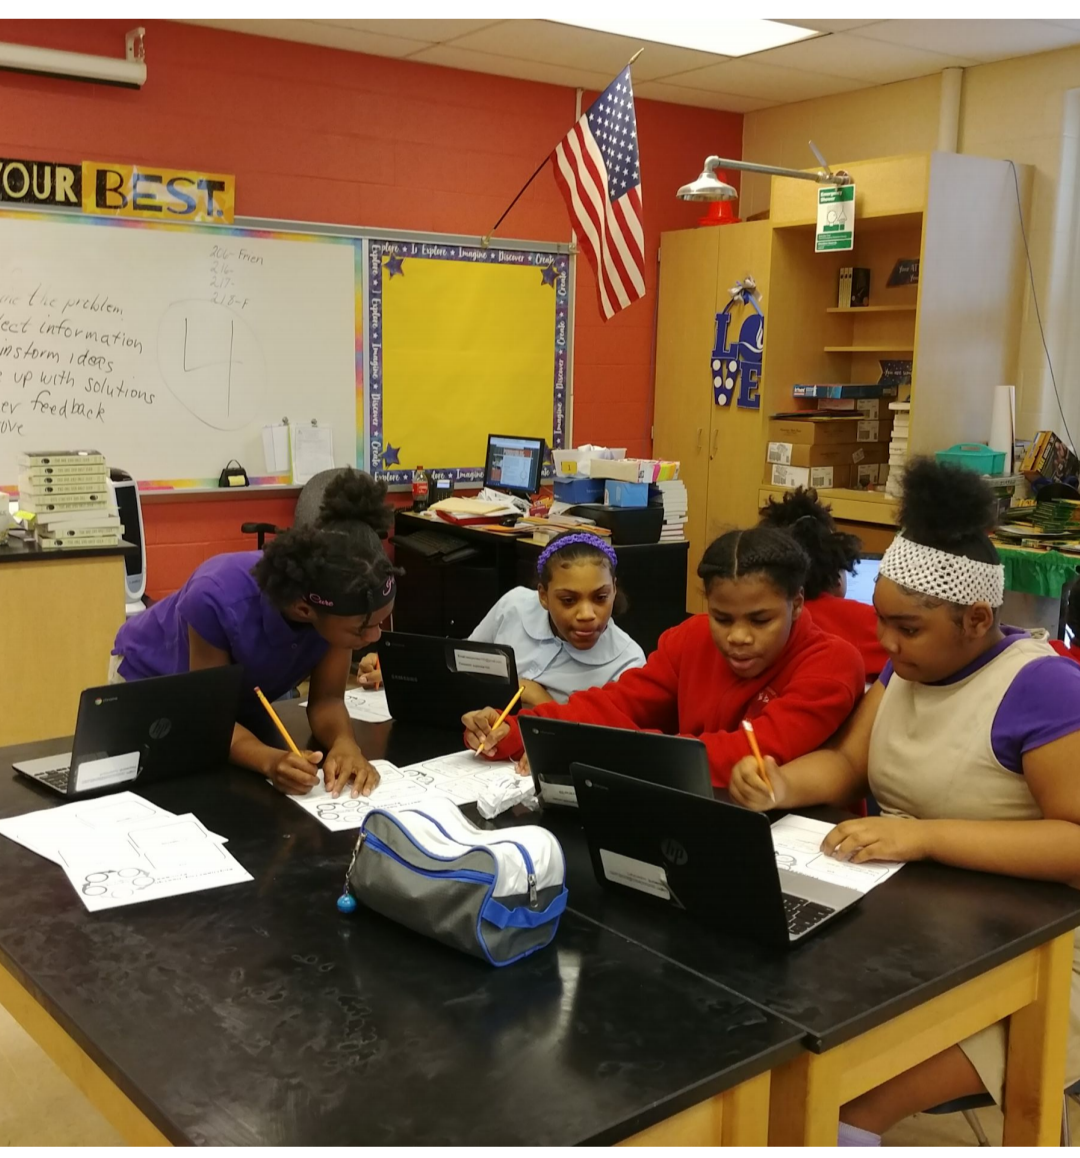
959,326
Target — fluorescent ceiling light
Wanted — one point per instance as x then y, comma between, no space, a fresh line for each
722,37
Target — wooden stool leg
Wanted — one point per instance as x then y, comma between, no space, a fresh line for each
1035,1066
804,1102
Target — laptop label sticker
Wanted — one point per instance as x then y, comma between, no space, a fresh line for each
107,771
551,793
637,874
491,663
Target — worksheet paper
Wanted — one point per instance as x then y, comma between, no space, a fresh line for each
459,777
364,704
162,858
797,843
122,849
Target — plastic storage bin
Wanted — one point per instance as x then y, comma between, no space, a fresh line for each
974,456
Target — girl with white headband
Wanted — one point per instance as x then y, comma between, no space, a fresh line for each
970,742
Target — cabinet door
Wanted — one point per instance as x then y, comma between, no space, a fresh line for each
683,401
736,435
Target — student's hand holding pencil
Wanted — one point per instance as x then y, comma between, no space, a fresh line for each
369,673
749,788
296,773
481,730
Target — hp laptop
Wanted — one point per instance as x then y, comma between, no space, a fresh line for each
709,857
148,729
553,745
432,680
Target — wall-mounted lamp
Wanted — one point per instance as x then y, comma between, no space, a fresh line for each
709,187
127,73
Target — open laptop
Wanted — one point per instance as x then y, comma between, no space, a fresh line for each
860,585
432,680
147,729
709,857
554,745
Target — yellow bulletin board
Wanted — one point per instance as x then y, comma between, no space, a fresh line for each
463,342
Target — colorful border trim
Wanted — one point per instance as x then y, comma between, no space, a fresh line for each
427,251
228,231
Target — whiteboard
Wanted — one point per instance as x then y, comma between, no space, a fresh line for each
169,348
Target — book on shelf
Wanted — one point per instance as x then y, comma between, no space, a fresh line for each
54,458
89,541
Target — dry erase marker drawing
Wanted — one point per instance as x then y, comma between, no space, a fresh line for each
211,360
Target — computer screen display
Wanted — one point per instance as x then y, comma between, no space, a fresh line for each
514,463
860,586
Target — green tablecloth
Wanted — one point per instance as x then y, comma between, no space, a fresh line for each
1037,572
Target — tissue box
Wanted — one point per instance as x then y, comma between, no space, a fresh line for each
626,494
634,470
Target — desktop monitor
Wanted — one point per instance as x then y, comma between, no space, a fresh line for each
860,586
514,463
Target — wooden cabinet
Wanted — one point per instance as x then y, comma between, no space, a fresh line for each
960,325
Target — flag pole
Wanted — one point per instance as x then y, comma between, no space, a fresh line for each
485,241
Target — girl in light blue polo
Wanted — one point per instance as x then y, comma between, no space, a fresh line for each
562,634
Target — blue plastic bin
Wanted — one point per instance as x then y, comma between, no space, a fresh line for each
974,456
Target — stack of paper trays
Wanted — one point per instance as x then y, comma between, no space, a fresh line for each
68,493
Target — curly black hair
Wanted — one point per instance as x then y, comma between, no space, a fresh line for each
757,551
950,508
341,552
810,523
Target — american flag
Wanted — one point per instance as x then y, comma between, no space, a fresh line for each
599,172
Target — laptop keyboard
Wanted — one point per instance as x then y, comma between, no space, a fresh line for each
803,915
55,778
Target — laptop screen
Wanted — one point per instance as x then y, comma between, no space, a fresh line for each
860,586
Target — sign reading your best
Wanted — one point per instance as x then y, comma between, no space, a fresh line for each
149,193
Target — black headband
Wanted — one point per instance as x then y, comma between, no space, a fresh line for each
364,602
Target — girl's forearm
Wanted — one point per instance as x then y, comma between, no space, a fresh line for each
822,777
1046,850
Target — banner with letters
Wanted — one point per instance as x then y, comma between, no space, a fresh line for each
142,192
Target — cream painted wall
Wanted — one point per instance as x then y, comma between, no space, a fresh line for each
1014,109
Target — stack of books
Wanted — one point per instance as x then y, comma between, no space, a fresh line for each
898,447
67,492
1058,516
545,529
673,493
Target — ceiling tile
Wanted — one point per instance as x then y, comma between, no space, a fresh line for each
429,31
981,40
450,56
763,81
676,94
317,32
843,54
828,25
546,41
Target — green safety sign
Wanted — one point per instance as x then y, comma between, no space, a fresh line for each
835,219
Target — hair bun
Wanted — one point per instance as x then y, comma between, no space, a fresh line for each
355,496
944,504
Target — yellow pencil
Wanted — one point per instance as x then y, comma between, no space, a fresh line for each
748,728
280,726
506,712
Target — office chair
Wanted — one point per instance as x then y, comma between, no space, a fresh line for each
967,1106
307,507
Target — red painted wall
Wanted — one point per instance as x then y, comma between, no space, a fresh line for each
314,134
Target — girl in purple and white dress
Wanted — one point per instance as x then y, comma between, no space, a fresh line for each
969,741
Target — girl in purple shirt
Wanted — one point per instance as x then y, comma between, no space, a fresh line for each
294,611
969,741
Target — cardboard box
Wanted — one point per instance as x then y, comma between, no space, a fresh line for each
842,454
877,408
826,430
633,470
819,477
1048,457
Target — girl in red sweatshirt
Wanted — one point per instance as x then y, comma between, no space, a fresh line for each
756,654
833,555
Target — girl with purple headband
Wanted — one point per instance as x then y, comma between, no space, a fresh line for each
562,634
